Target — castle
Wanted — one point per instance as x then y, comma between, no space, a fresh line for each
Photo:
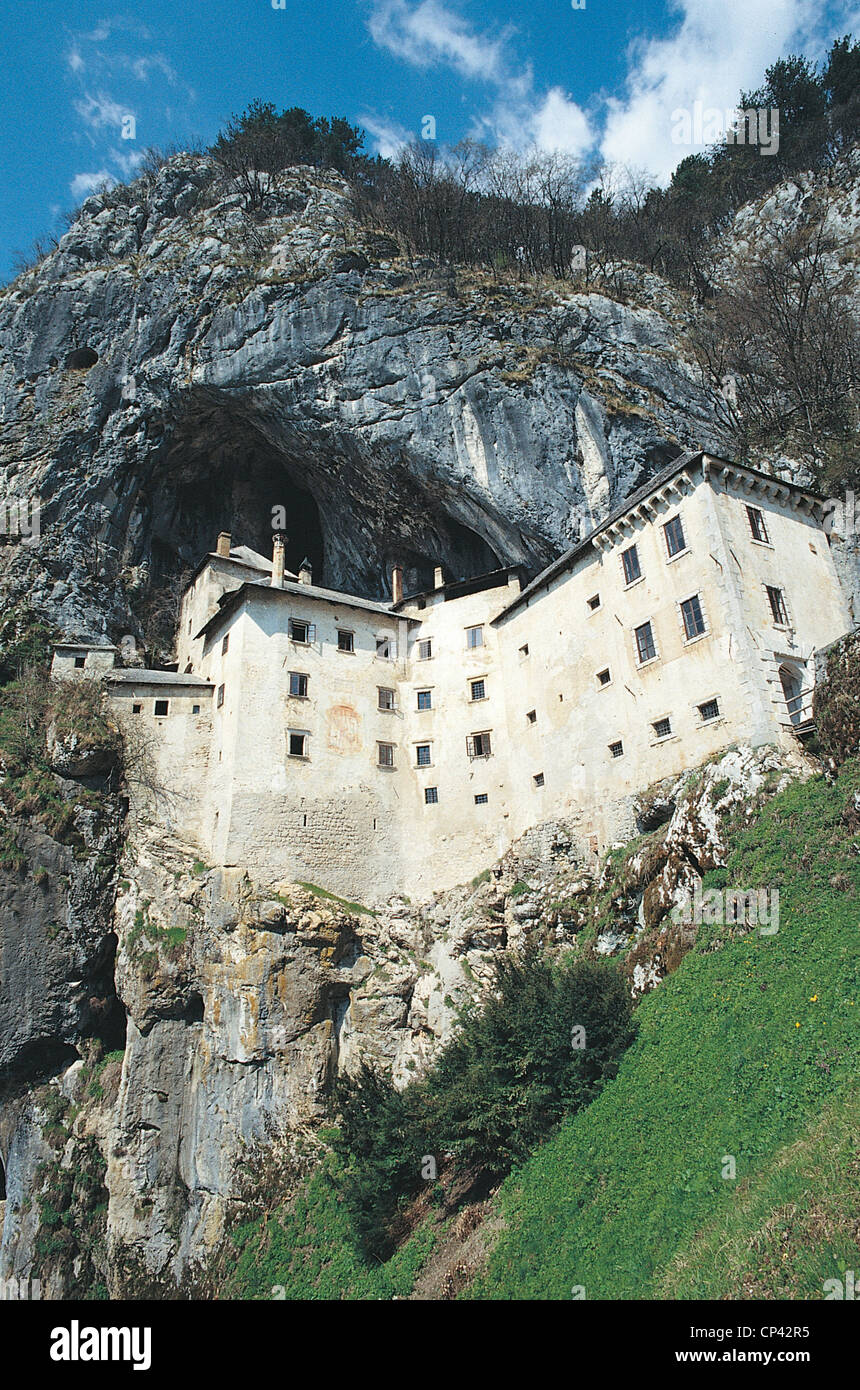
374,748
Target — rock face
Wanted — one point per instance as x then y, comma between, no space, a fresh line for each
168,1032
237,366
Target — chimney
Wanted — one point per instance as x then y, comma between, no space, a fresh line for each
396,583
306,572
514,581
438,577
278,562
222,546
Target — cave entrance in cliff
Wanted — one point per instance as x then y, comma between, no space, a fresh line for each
219,474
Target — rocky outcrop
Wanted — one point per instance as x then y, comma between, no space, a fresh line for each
234,365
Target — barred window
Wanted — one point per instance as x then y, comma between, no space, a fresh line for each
431,796
662,727
423,757
479,690
776,599
385,697
385,754
425,699
617,749
709,710
757,525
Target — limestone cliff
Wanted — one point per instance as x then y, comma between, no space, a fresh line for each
167,1032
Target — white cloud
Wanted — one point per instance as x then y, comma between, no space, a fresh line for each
388,137
717,51
83,184
75,61
100,111
430,33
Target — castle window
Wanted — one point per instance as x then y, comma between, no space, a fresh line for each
162,708
594,602
538,779
219,698
693,618
709,710
481,798
431,796
301,631
136,709
345,641
630,563
385,647
604,677
423,756
776,599
474,637
80,662
297,744
674,533
617,749
225,644
479,745
385,754
662,727
385,697
531,716
195,709
425,649
756,520
479,690
298,685
524,651
425,699
645,648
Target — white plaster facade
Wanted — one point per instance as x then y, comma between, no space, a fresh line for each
528,705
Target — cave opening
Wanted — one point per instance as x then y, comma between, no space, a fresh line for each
217,474
80,359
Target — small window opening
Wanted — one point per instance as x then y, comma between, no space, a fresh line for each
161,708
617,749
195,709
219,698
80,662
694,618
431,796
299,631
645,647
385,754
531,716
630,563
423,755
298,685
662,727
757,525
345,641
298,745
475,636
425,699
479,745
136,709
709,710
538,779
225,645
385,697
776,599
674,533
425,649
479,691
481,798
384,648
594,602
603,676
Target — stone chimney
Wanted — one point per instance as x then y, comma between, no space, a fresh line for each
278,562
396,583
438,577
222,546
306,572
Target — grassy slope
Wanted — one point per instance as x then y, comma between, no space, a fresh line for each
749,1051
628,1199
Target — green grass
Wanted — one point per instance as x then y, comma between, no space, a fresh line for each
307,1251
332,897
748,1051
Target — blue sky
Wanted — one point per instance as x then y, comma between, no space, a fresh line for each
603,77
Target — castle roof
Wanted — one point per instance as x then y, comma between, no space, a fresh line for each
141,676
685,460
256,589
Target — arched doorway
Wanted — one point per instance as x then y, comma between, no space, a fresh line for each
791,679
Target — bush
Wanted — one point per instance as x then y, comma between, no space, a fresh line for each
514,1070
